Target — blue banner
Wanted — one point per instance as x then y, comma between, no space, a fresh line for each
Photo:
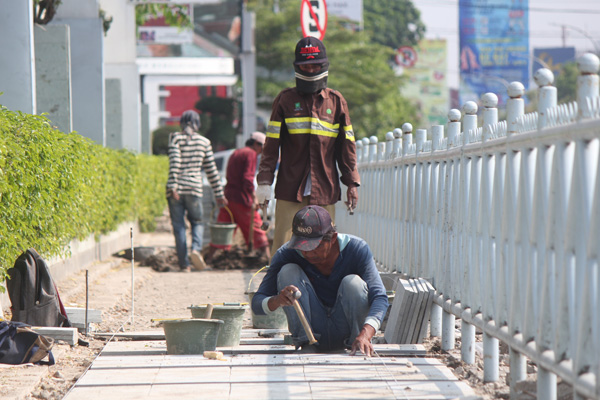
494,47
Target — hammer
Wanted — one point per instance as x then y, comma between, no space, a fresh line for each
305,325
265,223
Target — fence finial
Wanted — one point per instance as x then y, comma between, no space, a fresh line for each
587,82
546,96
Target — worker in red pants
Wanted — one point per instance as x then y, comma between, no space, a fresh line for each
239,192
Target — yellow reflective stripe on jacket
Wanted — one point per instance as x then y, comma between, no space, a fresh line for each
349,133
312,126
274,129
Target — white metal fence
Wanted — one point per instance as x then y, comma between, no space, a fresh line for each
504,219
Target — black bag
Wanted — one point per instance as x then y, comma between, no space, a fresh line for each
33,294
19,345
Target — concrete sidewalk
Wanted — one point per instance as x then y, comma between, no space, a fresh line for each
143,370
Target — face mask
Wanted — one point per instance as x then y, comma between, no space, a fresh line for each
311,82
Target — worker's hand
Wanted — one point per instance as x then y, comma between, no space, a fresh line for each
222,202
352,198
263,193
175,194
363,343
286,296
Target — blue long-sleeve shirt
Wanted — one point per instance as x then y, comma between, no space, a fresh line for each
355,258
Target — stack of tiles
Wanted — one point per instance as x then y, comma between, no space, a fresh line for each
409,315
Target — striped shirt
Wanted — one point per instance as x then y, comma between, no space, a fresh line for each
189,154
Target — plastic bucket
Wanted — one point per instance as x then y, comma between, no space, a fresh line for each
276,320
191,336
232,317
221,233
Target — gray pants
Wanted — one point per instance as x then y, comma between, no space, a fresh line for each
335,327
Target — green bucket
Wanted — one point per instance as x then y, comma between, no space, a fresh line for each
191,336
221,233
275,320
233,318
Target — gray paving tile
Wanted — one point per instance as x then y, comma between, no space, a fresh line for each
272,391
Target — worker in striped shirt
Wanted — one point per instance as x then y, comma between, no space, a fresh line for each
189,154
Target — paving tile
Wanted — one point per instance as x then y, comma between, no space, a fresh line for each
432,390
193,375
351,390
117,376
281,373
212,391
109,392
272,391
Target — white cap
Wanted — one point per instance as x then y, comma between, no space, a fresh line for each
258,137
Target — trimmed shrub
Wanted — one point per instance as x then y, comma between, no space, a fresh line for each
56,187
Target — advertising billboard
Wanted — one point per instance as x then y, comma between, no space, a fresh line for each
215,32
494,47
552,58
427,84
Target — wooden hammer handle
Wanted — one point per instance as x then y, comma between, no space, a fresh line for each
305,325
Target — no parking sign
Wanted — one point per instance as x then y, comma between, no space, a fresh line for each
406,56
313,18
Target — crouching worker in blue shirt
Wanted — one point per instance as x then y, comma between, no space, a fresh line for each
342,295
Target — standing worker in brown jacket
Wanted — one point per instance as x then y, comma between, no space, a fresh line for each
310,125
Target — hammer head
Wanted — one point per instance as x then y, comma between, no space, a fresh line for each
297,294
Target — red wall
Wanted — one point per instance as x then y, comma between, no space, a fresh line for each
184,98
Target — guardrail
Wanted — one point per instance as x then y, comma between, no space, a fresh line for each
504,219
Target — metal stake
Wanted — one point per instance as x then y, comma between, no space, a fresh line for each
87,300
132,275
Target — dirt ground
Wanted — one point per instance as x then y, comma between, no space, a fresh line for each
169,294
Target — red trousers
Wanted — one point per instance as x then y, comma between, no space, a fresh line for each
241,216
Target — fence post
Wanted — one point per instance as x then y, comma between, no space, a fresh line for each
420,137
389,143
435,321
467,341
365,142
380,151
546,96
515,107
397,142
518,370
373,149
490,114
437,134
453,126
406,138
448,330
587,82
359,151
469,120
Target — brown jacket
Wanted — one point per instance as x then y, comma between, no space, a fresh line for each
315,136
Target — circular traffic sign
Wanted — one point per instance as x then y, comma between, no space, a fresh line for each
406,57
313,18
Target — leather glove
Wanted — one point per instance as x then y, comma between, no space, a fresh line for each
263,193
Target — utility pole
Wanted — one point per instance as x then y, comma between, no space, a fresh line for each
248,63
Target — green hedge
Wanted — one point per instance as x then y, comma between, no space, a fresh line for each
56,187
